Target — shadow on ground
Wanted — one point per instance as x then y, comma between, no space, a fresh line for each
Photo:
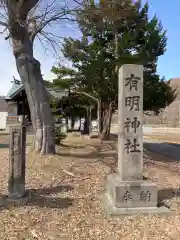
108,150
70,146
167,149
40,198
168,193
105,153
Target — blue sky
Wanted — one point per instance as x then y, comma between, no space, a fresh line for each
168,13
168,65
8,67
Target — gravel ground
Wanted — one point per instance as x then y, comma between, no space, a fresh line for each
66,196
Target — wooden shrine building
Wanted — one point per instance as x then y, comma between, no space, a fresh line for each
18,104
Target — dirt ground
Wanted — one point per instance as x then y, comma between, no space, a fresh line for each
66,196
173,138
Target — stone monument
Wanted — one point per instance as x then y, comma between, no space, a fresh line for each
17,155
126,191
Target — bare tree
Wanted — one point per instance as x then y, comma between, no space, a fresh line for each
24,20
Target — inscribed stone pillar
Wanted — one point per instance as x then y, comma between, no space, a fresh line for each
127,192
130,122
17,154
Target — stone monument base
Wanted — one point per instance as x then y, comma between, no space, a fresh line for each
131,197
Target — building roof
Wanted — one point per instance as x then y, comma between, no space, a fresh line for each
15,89
19,86
3,104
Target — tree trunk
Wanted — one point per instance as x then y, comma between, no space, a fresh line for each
80,124
72,122
87,122
29,71
107,122
90,120
30,74
67,123
99,115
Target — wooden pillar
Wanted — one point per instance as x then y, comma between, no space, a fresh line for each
17,159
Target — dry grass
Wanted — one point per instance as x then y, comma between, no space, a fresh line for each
173,138
66,198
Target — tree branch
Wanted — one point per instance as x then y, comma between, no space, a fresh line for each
4,24
52,12
52,40
88,95
38,28
34,16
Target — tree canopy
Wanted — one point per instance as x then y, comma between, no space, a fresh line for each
116,39
115,33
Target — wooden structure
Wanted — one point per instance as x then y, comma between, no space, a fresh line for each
3,113
18,104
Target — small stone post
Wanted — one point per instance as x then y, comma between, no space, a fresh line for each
127,192
17,158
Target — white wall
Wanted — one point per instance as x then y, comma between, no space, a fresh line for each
160,130
12,109
151,130
3,116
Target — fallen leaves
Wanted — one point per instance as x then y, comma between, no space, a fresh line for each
67,192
